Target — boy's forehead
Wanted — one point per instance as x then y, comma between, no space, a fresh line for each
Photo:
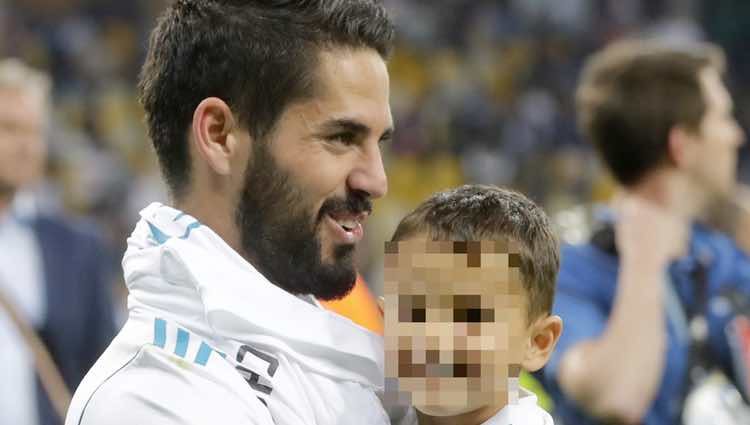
425,266
421,245
422,253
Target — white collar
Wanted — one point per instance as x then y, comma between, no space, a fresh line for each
525,412
228,298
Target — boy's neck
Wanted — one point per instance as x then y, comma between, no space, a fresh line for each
477,416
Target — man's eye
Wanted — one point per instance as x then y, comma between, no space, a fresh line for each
343,138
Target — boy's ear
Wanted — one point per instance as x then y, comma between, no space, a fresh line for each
543,336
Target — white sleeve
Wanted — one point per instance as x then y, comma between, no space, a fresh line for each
155,389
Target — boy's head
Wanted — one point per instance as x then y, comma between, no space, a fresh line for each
469,286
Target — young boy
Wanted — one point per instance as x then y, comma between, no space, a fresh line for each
469,284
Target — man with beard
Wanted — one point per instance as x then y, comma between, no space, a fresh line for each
267,118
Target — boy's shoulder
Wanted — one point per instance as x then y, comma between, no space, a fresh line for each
525,412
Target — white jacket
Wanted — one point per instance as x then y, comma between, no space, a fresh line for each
210,341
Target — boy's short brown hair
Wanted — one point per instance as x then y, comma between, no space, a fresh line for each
482,212
632,93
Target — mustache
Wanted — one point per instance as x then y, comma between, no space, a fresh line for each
353,204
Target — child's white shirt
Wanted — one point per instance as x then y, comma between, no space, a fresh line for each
525,412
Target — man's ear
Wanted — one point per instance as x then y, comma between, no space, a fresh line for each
212,127
543,336
680,146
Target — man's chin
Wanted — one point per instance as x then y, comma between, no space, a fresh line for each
337,284
331,249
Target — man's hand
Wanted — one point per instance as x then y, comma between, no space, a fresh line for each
648,238
648,235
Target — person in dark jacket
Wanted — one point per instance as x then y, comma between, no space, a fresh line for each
54,272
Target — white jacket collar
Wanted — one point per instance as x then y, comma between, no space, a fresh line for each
180,269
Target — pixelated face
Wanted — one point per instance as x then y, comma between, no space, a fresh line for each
309,188
455,326
22,147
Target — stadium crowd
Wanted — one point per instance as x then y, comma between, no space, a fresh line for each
482,91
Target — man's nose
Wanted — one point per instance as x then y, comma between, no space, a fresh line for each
737,133
369,174
741,137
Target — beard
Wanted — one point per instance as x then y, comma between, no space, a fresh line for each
279,231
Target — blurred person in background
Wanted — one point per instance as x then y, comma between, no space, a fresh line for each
268,120
54,272
643,299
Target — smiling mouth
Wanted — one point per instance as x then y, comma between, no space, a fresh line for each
343,219
348,221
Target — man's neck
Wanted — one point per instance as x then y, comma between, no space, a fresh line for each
671,192
211,212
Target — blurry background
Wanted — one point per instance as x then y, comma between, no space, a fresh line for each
481,92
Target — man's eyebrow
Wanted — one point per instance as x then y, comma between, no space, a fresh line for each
345,124
352,126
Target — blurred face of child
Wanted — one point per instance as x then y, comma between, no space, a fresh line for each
455,323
